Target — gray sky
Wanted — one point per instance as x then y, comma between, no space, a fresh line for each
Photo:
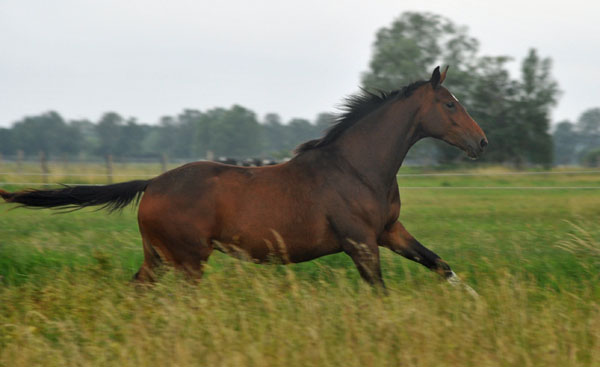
151,58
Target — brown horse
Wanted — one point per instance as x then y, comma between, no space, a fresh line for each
339,193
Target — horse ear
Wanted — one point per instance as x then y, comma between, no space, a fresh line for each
443,76
435,77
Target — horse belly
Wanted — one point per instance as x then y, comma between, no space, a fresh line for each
282,237
270,213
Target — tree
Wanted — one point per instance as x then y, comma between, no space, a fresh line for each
130,139
207,130
538,93
579,141
588,126
89,138
589,121
592,158
48,133
6,141
413,45
566,141
108,131
188,125
235,132
71,141
299,131
274,134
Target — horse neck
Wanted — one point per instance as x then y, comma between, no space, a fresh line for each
377,144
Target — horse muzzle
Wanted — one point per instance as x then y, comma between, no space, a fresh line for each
475,150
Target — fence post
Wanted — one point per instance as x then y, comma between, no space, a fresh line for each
109,168
20,155
163,162
44,166
65,159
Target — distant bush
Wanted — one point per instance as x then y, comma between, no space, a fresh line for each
591,158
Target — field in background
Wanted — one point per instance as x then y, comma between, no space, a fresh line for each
533,254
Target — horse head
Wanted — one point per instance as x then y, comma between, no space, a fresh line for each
443,117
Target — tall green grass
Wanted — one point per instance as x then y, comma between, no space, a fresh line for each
533,256
251,316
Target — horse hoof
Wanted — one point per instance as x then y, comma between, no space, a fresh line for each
455,281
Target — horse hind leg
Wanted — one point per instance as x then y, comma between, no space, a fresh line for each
152,261
184,255
192,258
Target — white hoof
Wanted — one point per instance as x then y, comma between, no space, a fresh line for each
455,281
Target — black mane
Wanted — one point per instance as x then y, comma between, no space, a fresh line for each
356,107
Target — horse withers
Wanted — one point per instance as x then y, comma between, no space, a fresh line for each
338,194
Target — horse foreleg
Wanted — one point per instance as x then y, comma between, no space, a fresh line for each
401,242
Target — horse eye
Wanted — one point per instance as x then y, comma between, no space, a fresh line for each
450,104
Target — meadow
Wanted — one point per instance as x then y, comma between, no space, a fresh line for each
528,243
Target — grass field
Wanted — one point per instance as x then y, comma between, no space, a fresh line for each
532,254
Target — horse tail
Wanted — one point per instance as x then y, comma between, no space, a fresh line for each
112,197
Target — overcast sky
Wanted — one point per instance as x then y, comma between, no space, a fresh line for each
151,58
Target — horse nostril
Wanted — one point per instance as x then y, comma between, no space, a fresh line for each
483,143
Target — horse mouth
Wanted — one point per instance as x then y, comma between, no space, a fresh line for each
471,154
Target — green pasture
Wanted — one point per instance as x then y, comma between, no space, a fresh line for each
529,244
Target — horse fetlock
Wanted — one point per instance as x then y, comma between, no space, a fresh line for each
443,269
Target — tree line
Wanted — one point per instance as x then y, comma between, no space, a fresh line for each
578,142
513,111
193,134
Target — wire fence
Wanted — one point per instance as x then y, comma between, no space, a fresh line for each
445,186
438,174
401,187
514,173
74,174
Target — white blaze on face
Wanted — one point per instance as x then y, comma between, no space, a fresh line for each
453,96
